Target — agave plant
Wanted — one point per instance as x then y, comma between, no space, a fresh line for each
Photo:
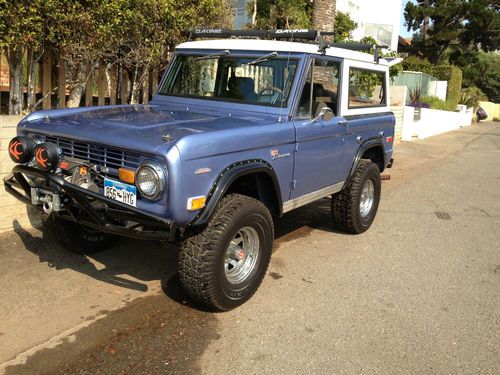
415,94
471,97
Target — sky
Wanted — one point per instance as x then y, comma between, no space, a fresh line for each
403,32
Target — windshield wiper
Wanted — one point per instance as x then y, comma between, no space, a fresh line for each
213,55
261,59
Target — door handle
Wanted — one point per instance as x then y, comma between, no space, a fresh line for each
343,122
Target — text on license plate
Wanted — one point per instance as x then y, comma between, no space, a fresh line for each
120,192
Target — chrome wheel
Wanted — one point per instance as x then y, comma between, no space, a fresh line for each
367,197
241,255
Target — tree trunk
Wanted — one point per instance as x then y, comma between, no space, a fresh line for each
123,86
145,87
425,27
47,82
15,59
136,87
254,15
102,84
61,82
32,74
154,81
113,80
324,15
76,92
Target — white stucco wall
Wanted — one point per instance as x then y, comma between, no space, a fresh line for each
368,13
433,122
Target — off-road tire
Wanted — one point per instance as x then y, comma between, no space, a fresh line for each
202,255
346,204
76,238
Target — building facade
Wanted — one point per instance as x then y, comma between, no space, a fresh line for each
378,19
241,16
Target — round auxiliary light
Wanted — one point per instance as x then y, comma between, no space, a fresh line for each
150,179
21,149
47,156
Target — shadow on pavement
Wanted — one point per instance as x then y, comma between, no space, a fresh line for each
141,260
147,261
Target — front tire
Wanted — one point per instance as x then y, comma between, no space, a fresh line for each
355,207
223,265
77,238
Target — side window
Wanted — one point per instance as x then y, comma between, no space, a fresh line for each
366,88
320,89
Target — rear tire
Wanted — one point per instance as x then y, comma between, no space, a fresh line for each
223,265
77,238
355,207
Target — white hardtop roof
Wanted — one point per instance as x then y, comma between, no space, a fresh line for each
278,46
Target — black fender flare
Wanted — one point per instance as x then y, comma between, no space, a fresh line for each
365,146
227,177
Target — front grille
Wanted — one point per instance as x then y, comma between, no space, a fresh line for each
97,154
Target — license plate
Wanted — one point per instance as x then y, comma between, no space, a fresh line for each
120,192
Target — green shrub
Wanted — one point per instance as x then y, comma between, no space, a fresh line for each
453,75
417,64
436,103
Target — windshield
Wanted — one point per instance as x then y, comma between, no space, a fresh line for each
262,80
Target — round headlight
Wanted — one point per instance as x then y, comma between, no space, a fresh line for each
150,180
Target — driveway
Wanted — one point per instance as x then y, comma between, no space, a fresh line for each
418,293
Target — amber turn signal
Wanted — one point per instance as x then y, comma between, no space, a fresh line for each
196,203
126,175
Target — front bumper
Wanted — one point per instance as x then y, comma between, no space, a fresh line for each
87,207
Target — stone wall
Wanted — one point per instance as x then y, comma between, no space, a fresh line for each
10,208
399,113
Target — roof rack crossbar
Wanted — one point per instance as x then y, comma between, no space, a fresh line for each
304,34
261,34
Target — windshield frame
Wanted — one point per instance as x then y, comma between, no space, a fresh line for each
298,57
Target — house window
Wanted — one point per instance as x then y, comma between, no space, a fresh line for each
381,33
366,88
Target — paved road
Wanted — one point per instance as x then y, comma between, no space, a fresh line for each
418,293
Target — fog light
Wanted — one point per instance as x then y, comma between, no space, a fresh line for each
21,149
47,156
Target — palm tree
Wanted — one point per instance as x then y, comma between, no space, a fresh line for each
323,14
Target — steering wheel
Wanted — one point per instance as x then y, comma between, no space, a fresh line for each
275,96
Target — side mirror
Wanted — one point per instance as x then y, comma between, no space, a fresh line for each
325,114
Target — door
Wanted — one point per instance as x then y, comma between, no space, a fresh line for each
320,160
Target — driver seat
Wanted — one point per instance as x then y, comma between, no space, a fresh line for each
246,86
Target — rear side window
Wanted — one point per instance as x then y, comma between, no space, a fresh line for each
366,88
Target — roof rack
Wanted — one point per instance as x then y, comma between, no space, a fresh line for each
304,34
256,34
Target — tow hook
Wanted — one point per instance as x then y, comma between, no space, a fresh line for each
50,201
48,207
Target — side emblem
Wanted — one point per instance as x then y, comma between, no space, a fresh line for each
275,154
202,171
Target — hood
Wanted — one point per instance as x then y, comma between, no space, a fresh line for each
135,127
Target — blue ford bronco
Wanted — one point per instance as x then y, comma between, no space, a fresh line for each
245,126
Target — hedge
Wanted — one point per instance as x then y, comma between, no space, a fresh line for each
453,75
